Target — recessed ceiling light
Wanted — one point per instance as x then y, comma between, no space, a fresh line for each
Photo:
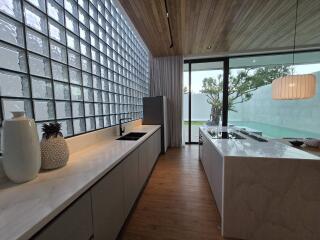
209,47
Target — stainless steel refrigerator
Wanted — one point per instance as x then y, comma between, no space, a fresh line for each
155,113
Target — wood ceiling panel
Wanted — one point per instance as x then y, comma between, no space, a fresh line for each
227,26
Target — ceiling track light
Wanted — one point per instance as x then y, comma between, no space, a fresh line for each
168,21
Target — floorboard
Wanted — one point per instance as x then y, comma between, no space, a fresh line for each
176,203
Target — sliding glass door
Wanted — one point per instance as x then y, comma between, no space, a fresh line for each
203,97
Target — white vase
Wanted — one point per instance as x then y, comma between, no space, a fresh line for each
21,149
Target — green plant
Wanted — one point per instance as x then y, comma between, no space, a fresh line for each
51,129
241,87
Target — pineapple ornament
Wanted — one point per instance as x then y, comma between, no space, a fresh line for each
54,148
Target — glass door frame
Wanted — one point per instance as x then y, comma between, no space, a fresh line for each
226,69
225,61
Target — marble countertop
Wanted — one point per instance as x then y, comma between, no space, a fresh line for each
252,148
26,208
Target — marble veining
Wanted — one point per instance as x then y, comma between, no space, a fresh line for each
269,190
27,207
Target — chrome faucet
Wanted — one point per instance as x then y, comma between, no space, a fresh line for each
122,129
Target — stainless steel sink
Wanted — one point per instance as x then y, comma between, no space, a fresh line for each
132,136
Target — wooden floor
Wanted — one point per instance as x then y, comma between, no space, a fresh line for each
177,202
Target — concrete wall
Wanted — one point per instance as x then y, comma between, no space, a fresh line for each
200,107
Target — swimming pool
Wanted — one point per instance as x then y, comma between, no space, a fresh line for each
273,131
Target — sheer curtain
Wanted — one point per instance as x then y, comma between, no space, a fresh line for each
167,80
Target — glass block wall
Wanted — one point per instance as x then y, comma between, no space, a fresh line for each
77,62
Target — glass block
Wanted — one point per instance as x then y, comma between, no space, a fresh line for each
60,2
75,76
37,43
112,109
78,125
63,109
61,91
39,66
14,85
99,122
96,82
83,17
85,64
41,88
11,31
87,79
96,68
94,40
76,93
77,109
85,49
106,109
40,4
93,12
12,8
112,120
98,109
84,4
55,11
95,55
97,96
71,7
12,58
89,109
106,121
88,94
58,52
12,105
66,127
71,24
57,32
59,71
94,27
35,19
74,59
43,110
73,42
90,124
104,72
84,33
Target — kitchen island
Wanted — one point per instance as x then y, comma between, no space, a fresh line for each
263,189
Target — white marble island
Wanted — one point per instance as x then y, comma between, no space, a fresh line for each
263,190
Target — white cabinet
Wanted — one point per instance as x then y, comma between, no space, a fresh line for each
131,180
101,212
108,205
74,223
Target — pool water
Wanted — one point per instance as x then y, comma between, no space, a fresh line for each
273,131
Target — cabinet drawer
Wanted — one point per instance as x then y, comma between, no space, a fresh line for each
74,223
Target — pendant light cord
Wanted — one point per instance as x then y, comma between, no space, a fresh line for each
295,35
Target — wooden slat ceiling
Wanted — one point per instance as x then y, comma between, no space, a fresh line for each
227,26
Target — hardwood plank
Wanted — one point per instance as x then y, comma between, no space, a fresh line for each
176,203
228,26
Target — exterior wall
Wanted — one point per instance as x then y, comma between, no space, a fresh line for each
200,107
295,114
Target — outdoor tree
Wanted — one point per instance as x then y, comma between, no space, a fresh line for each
241,87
